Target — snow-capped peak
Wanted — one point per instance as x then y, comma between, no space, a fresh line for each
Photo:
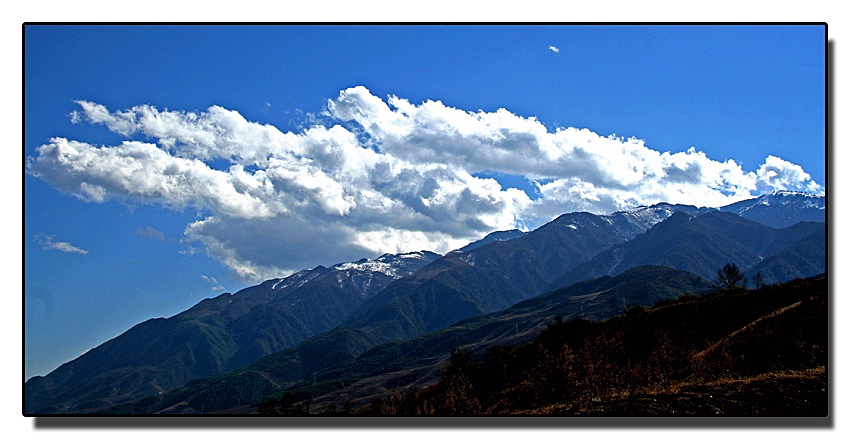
648,216
392,265
790,199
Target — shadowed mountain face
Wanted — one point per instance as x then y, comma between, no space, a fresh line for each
703,243
499,274
781,209
804,258
230,331
411,306
318,318
217,334
361,373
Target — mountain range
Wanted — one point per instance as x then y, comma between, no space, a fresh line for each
781,208
284,331
700,244
309,371
217,334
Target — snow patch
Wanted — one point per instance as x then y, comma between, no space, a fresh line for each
394,266
370,265
297,279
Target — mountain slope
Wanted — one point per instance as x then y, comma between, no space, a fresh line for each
803,259
361,371
781,209
377,302
499,274
505,235
232,330
217,334
417,362
701,245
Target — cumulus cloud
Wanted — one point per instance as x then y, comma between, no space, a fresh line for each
777,174
554,49
373,175
48,243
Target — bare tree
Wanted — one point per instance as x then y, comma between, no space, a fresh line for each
758,280
730,278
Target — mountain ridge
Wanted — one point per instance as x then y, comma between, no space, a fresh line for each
376,306
216,334
595,299
781,209
698,244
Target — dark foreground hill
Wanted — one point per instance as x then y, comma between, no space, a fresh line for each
744,353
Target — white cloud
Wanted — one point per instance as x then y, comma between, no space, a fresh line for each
554,49
216,286
150,232
777,174
402,180
47,243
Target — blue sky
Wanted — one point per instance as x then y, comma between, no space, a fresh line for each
234,170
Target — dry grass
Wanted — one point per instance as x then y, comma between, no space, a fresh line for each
760,353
